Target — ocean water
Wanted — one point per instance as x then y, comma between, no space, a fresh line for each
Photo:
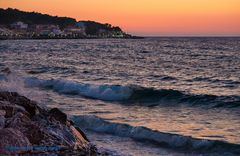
152,96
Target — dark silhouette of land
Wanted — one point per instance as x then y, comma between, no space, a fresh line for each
16,24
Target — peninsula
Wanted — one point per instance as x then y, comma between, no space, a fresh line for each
16,24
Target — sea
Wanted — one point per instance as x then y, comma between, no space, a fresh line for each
135,97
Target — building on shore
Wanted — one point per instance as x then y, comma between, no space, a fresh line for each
19,25
45,30
75,31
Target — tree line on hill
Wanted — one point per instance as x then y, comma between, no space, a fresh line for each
9,16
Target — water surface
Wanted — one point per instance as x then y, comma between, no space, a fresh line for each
184,86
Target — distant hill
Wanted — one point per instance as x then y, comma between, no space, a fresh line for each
91,29
9,16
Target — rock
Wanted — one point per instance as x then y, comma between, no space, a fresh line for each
2,122
2,119
12,141
81,140
15,98
2,112
29,128
11,109
82,133
39,127
58,115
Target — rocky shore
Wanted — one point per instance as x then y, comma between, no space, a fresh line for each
28,129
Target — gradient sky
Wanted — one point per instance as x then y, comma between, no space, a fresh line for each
147,17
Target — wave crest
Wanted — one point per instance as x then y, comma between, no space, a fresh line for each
102,92
96,124
133,94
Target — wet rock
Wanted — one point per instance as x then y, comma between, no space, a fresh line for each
2,119
58,115
2,122
29,128
12,141
80,140
11,109
82,133
15,98
2,112
40,127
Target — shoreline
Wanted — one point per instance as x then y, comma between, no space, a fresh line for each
66,38
52,38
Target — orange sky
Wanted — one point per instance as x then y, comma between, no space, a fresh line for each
147,17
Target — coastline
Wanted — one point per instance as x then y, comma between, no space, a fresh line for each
50,38
18,24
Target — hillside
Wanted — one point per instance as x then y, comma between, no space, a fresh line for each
9,16
17,24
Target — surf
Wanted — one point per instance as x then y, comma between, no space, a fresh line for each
143,134
132,94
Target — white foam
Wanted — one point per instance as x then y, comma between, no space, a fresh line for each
15,83
102,92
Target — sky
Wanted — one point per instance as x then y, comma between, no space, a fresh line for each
147,17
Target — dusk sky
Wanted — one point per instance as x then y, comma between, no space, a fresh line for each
147,17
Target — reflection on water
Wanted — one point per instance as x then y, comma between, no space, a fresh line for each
203,72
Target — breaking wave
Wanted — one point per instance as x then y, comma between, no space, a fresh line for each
96,124
102,92
132,94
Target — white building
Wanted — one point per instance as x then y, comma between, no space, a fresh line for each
19,25
57,31
74,30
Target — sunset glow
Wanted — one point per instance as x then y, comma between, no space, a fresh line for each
147,17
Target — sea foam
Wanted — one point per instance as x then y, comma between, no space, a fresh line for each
101,92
